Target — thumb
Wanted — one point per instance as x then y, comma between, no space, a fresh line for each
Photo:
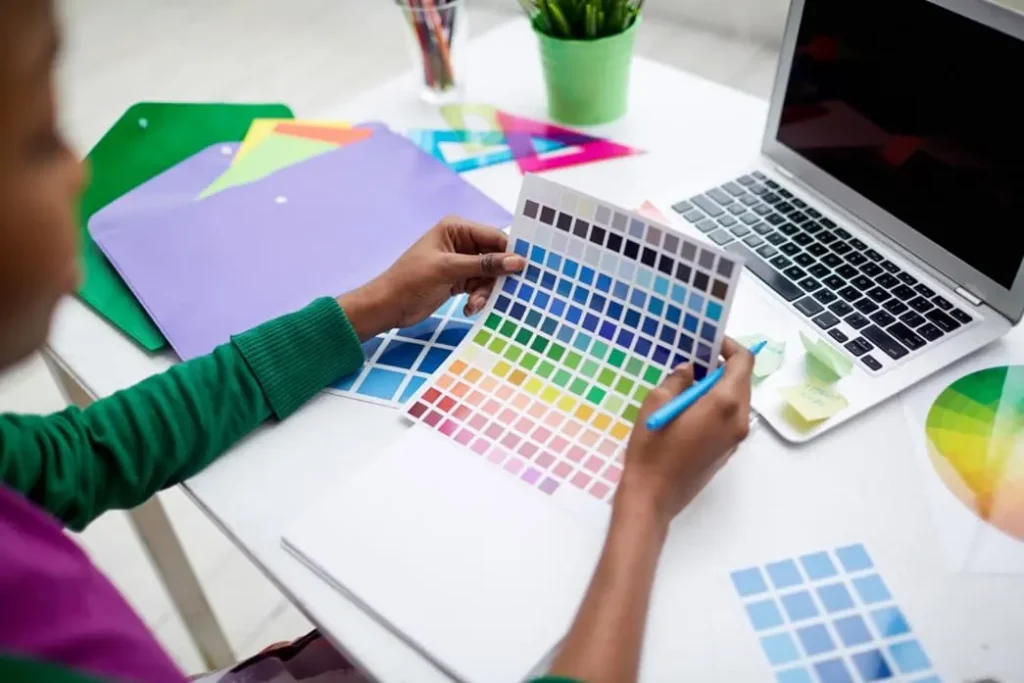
462,266
673,385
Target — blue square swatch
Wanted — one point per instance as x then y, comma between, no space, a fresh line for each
890,622
799,606
835,597
400,354
784,574
871,589
780,648
793,676
871,666
749,581
815,640
764,614
453,333
382,384
433,360
818,566
346,382
412,387
854,558
522,248
909,657
423,331
852,630
833,671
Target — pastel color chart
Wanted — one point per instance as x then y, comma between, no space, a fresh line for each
829,617
552,379
400,361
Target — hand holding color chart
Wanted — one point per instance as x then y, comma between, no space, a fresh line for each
552,380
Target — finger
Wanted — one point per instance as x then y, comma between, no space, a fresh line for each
673,385
739,364
470,237
478,298
465,266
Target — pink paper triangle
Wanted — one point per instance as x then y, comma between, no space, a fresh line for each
519,131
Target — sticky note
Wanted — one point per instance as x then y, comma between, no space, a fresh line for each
771,356
814,401
825,363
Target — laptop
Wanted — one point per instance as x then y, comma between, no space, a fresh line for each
885,214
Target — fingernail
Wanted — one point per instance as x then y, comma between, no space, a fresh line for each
513,264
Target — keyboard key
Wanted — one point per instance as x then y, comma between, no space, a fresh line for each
826,320
810,226
772,184
720,197
826,237
830,260
841,248
749,218
824,296
846,271
817,249
855,258
906,336
736,209
857,244
775,219
720,237
903,293
878,295
783,287
858,347
745,180
803,239
941,303
828,222
706,225
866,306
834,282
813,213
960,316
862,282
872,269
911,319
882,319
849,293
785,208
804,259
907,279
838,335
871,363
794,273
758,189
856,321
887,344
809,284
930,332
785,193
749,200
798,218
761,209
767,251
941,320
890,267
887,281
733,189
727,220
873,255
771,198
809,306
789,249
682,207
819,271
895,306
788,229
924,291
707,206
740,230
841,308
921,305
799,202
694,216
753,241
761,228
781,262
842,234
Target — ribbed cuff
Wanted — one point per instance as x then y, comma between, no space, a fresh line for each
297,355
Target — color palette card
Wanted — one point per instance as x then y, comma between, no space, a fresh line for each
551,381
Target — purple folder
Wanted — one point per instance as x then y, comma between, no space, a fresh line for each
213,268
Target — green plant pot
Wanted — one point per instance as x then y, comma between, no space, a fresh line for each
587,80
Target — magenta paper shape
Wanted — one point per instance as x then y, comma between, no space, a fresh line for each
519,133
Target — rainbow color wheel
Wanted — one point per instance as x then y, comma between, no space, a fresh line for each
975,435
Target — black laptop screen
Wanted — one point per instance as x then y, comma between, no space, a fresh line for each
921,111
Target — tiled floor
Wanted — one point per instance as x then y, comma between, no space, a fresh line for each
121,51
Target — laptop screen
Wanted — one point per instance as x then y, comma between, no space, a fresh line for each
919,110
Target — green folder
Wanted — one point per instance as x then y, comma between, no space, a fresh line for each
148,139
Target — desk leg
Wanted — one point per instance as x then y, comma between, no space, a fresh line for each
154,529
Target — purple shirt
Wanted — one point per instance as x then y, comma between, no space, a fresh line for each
57,607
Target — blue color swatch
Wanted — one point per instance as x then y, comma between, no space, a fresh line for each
829,617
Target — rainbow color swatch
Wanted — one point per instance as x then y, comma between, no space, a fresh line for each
551,380
975,437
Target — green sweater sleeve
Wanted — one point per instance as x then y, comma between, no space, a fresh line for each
121,450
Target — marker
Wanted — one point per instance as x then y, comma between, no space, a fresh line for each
674,408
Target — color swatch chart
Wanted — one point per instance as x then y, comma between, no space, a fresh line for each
400,361
552,380
828,617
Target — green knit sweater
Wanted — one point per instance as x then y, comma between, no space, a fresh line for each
115,454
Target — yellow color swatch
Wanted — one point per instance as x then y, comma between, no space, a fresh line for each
566,404
550,395
533,386
501,368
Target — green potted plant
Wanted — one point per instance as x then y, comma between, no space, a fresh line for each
586,49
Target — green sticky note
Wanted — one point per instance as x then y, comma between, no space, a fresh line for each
493,321
590,368
482,337
598,350
562,378
545,369
512,353
823,362
616,358
652,375
523,336
813,400
606,377
148,139
770,357
596,395
529,361
634,366
274,153
572,360
578,387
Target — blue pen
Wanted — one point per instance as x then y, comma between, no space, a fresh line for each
674,408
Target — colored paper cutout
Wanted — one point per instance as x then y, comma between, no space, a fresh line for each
823,362
339,135
274,153
651,211
460,116
148,139
771,357
814,401
489,146
261,128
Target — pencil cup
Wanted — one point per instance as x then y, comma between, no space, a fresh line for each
437,31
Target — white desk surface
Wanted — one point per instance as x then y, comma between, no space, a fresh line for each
701,132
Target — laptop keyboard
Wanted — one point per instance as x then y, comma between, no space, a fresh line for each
864,302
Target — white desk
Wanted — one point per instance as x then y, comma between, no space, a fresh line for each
700,131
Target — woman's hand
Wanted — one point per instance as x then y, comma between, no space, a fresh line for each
666,469
455,256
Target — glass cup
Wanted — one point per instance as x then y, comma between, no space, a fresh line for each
437,32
